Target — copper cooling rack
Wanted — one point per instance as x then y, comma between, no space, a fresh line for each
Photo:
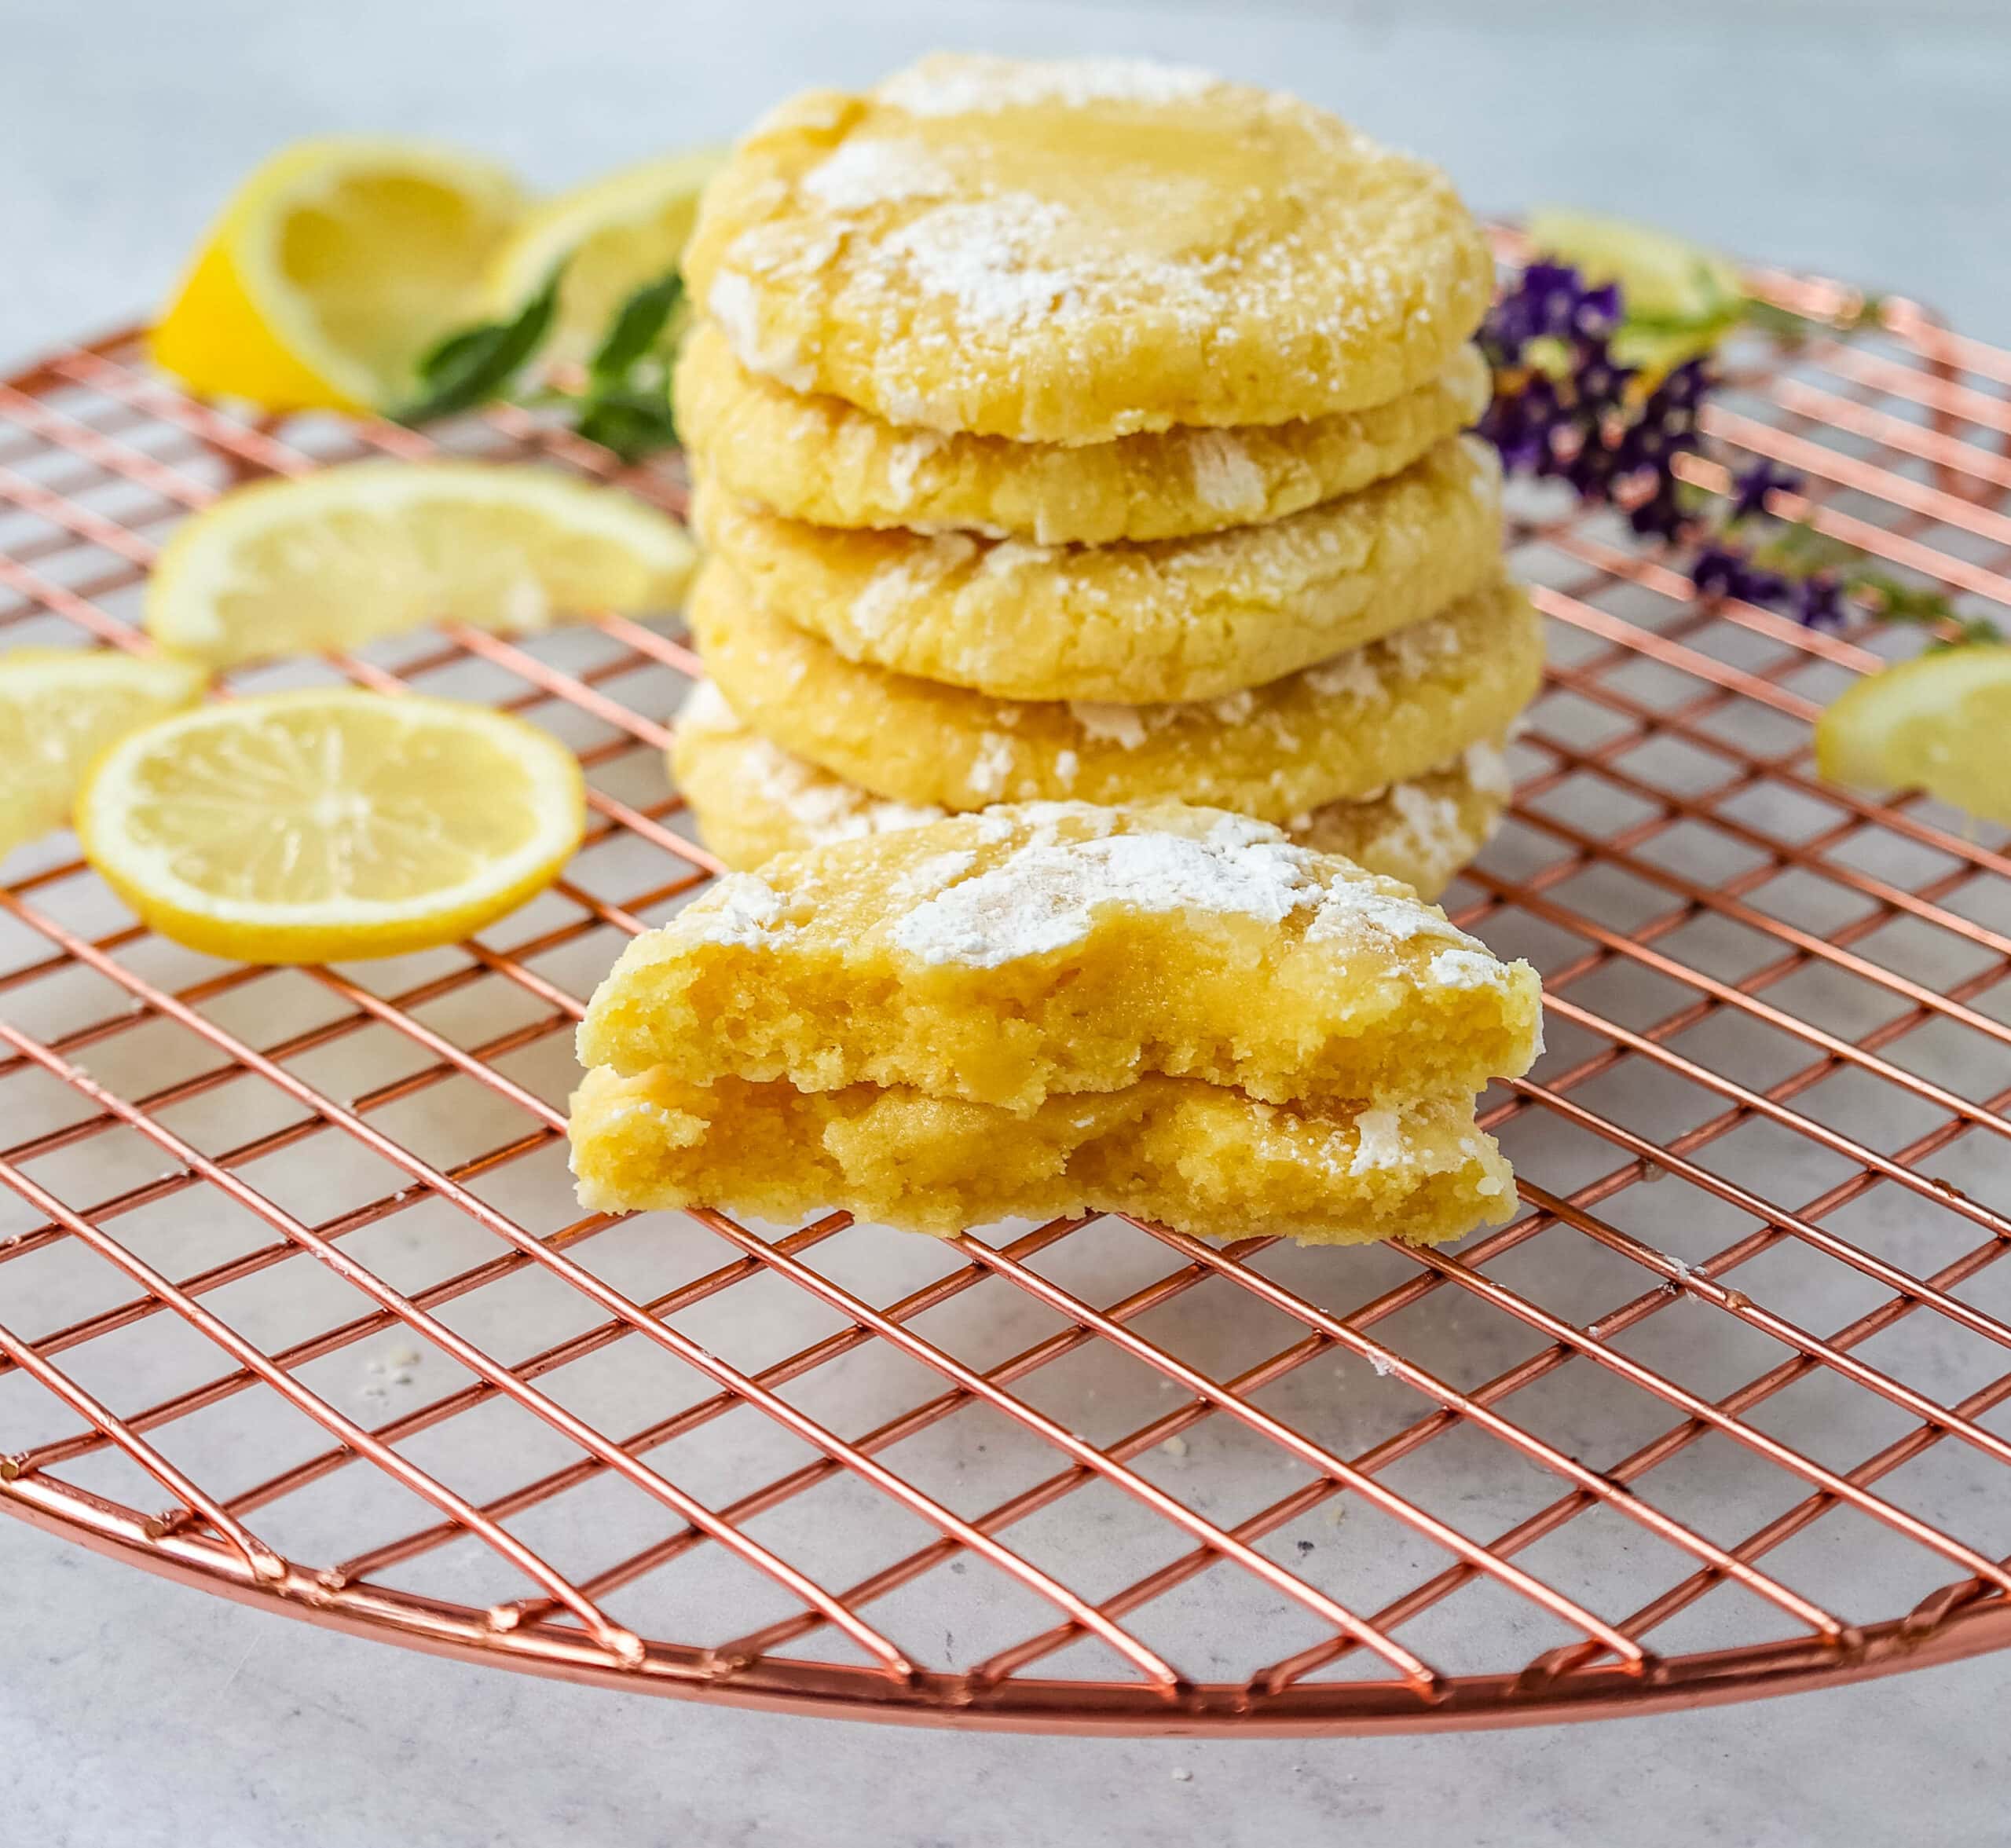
296,1304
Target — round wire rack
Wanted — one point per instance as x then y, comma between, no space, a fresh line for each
296,1305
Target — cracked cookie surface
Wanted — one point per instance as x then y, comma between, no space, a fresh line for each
1182,619
1352,725
753,800
1069,251
820,460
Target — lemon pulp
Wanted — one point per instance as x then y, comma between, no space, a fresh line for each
334,559
322,825
332,269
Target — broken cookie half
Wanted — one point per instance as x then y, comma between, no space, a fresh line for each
1173,1012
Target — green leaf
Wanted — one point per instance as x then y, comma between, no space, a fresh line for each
638,326
633,422
1797,549
476,364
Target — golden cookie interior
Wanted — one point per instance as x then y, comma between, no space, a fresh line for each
1209,1161
1054,948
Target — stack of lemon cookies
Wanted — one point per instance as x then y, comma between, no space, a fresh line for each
1089,431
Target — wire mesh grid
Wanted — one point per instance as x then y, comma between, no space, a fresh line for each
295,1303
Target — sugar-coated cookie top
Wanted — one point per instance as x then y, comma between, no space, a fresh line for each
983,890
1050,947
1070,251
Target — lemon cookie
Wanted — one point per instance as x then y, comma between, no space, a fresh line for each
1204,1160
1070,251
1059,948
1176,619
1424,831
754,800
1345,728
822,460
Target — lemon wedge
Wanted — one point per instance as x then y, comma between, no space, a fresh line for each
59,708
614,236
332,269
334,823
1940,722
336,558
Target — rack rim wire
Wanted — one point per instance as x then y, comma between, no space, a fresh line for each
1903,442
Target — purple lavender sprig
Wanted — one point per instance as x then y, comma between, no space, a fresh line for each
1563,407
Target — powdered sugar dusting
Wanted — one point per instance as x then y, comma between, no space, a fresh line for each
1011,260
1379,1141
1390,910
823,808
739,909
927,877
1011,556
1425,829
733,305
706,709
1487,770
869,170
906,461
1123,725
991,765
887,592
1351,676
1424,647
949,85
981,254
1045,895
1225,477
1468,968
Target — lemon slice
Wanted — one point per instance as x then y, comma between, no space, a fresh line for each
1663,278
1940,722
613,235
321,826
59,708
1678,298
334,559
332,269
